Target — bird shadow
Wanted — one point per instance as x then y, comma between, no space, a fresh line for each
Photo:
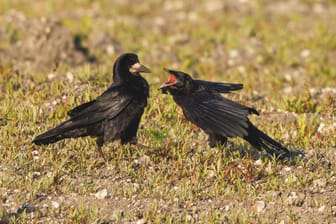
292,158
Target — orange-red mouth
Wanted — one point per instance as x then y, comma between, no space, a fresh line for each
171,81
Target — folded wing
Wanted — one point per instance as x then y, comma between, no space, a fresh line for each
106,107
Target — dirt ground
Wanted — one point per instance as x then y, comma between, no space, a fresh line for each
42,44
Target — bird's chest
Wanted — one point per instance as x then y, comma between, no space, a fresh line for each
186,103
140,90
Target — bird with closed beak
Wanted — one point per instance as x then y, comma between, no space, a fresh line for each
115,114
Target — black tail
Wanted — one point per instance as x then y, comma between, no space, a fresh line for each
62,131
260,140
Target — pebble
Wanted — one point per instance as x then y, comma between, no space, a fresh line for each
333,209
51,76
141,221
103,194
296,199
55,204
69,76
325,128
260,206
287,169
321,209
305,53
144,160
226,208
188,218
258,162
319,182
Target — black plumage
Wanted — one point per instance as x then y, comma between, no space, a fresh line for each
221,118
113,115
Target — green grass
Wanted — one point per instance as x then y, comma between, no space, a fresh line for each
178,178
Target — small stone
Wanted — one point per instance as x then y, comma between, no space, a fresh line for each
296,198
189,218
333,209
321,209
55,204
69,76
258,162
226,208
110,49
233,53
326,128
287,169
260,206
305,53
37,174
292,197
35,153
319,183
103,194
141,221
51,76
144,160
211,174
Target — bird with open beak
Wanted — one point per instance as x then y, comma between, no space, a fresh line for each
203,104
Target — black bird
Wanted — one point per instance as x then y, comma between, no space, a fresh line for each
203,105
114,115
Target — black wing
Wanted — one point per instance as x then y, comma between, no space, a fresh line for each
106,107
77,110
219,86
216,114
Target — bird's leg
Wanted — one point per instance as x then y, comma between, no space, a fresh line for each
217,140
101,153
133,141
99,142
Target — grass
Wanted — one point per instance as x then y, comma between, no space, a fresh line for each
280,57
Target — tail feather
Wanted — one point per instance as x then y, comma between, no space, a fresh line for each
62,131
260,140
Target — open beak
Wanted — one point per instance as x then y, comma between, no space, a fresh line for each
171,81
137,67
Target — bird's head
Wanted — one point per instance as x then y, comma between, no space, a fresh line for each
126,66
178,83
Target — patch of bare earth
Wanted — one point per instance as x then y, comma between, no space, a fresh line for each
40,44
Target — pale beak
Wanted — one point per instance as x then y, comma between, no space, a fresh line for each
137,67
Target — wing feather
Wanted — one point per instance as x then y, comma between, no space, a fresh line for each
216,114
106,107
77,110
219,86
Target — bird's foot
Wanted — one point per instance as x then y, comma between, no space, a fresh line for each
102,153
